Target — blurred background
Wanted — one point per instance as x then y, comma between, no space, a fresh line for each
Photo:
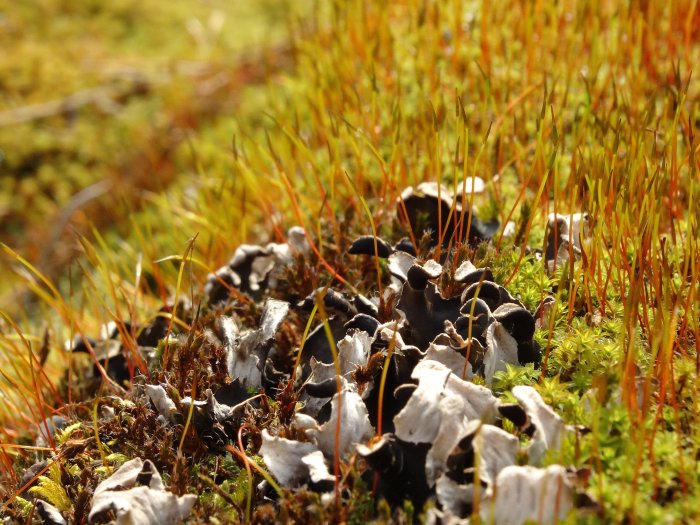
105,104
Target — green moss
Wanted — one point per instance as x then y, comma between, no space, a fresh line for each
559,107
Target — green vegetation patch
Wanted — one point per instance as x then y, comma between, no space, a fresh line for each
560,108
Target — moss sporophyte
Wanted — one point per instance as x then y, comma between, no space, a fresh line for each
378,262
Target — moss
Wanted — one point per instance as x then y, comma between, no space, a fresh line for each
559,107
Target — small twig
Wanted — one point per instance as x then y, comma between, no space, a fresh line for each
103,97
76,202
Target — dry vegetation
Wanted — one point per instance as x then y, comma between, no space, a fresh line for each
560,107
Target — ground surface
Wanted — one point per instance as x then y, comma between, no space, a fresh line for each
220,132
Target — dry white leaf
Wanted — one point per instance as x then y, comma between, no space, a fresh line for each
435,516
399,264
274,313
283,458
439,410
391,331
501,349
135,494
240,363
354,423
296,238
294,463
210,407
320,372
229,331
522,494
49,514
464,269
160,399
470,185
245,367
304,421
353,352
454,498
245,354
565,233
549,426
496,449
318,469
450,358
467,185
260,261
509,229
432,268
